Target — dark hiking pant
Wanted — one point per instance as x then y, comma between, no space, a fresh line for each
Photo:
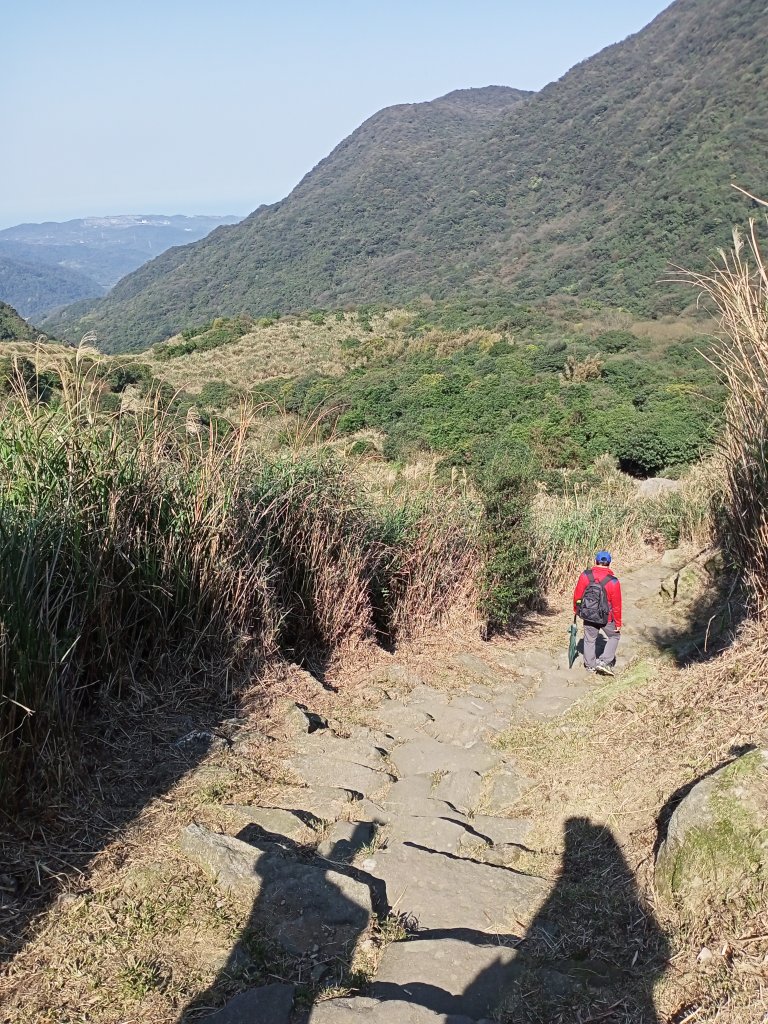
612,638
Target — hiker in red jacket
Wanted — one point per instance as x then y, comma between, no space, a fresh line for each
597,601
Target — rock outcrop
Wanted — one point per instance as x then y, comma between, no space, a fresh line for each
716,846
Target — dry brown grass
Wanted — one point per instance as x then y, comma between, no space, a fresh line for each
738,290
617,760
292,346
567,529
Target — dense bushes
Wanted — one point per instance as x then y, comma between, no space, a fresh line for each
213,334
551,395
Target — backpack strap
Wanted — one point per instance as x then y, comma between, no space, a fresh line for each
610,578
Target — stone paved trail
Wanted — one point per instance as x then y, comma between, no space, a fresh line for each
424,812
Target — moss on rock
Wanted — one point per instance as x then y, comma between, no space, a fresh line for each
716,847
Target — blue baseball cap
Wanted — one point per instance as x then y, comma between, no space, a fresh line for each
603,558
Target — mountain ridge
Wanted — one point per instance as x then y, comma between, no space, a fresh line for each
588,187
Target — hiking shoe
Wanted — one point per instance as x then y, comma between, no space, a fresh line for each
603,669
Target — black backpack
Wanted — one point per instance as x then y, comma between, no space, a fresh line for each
593,607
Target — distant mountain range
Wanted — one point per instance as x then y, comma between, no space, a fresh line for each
44,266
589,188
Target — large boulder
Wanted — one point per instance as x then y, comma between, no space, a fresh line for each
716,844
655,486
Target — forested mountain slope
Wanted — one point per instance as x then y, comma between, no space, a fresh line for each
591,186
13,327
38,288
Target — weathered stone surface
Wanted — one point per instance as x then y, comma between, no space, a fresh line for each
503,791
461,790
445,835
501,831
717,837
414,795
674,558
368,810
276,820
301,904
419,757
543,662
327,771
328,803
557,693
453,724
683,586
371,1011
345,839
270,1004
357,749
447,975
401,721
476,666
441,890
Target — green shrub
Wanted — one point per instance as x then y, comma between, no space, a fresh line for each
218,395
611,342
510,581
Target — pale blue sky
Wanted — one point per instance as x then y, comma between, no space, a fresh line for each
182,106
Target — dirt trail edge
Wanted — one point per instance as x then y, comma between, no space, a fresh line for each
420,831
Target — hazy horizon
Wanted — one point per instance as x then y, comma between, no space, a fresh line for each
182,108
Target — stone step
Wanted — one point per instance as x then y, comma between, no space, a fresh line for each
442,890
363,1010
328,803
558,692
462,790
471,975
329,772
416,795
270,1004
420,757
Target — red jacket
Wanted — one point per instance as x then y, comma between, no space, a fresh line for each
612,592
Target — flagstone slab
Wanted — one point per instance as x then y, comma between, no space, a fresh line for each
448,975
327,771
363,1010
419,757
461,790
442,890
328,803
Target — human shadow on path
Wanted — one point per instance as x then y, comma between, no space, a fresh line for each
593,950
305,920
